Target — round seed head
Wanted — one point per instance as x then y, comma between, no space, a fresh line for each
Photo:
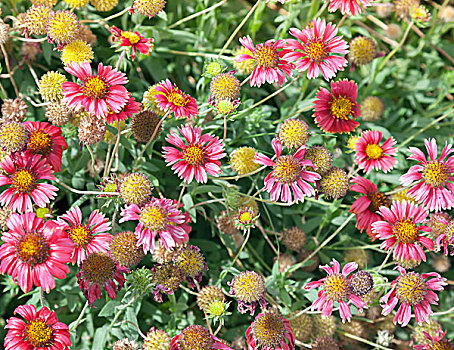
294,238
208,295
394,31
4,32
58,113
125,344
50,86
325,343
76,4
13,137
190,261
362,51
321,158
124,249
241,160
403,7
441,263
334,184
354,327
372,109
248,286
226,223
98,268
5,214
286,261
301,326
384,10
246,67
168,276
86,35
104,5
76,51
322,327
446,14
195,337
213,68
225,86
293,133
361,283
14,110
269,329
156,339
144,124
148,8
62,27
136,188
91,129
387,324
29,51
36,18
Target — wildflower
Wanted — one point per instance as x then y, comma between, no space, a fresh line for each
243,67
148,8
321,158
86,238
366,207
150,102
362,50
293,133
433,178
196,337
58,113
336,289
420,15
134,40
351,143
50,86
334,109
49,3
438,223
136,188
301,325
350,7
125,250
128,110
22,175
271,66
13,137
208,295
34,252
334,184
226,107
412,290
170,98
435,342
371,155
447,237
76,51
191,262
76,4
35,19
372,109
40,330
91,129
167,278
288,172
325,343
96,93
246,219
270,331
294,238
198,156
156,339
158,217
104,5
249,289
224,86
62,27
14,110
242,160
317,49
98,270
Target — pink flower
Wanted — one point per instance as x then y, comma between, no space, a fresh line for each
170,98
447,237
271,65
366,207
41,330
22,175
96,93
334,109
371,155
158,217
433,178
131,107
93,237
47,141
350,7
412,289
435,342
317,49
133,40
196,337
196,157
336,289
289,174
34,252
401,231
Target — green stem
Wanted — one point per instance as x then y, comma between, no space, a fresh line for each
197,14
224,273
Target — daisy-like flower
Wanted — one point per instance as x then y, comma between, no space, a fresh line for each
89,238
412,290
270,63
96,93
366,207
371,155
133,40
34,252
170,98
196,337
38,330
270,331
402,231
22,175
446,238
288,175
249,289
433,177
335,288
131,107
196,157
436,342
351,7
336,110
47,141
98,270
317,49
158,217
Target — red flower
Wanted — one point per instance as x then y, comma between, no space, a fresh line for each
334,109
133,40
371,155
436,342
40,330
170,98
131,107
35,252
46,140
350,7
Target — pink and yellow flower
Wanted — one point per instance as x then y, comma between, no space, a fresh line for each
289,174
170,98
133,40
195,156
335,288
317,49
371,155
412,289
436,342
350,7
131,107
271,65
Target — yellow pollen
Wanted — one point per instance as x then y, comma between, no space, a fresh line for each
441,345
269,330
287,169
341,108
195,338
406,231
132,37
39,334
436,174
178,99
194,155
336,286
40,142
154,218
94,87
266,55
316,51
32,248
80,235
245,217
411,288
23,180
374,151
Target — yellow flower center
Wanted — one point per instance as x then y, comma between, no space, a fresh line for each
248,286
132,37
336,287
40,142
293,133
194,155
436,174
287,169
245,217
154,218
406,231
374,151
441,345
195,338
94,87
80,235
39,334
316,51
32,248
411,288
178,99
266,55
269,330
23,180
377,200
341,108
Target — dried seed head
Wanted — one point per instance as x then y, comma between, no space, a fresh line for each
91,129
372,109
301,326
36,18
86,35
361,283
208,295
358,256
14,110
124,249
294,238
125,343
394,31
353,327
58,113
104,5
325,343
143,126
156,339
334,184
226,223
136,188
148,8
321,158
195,337
322,327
